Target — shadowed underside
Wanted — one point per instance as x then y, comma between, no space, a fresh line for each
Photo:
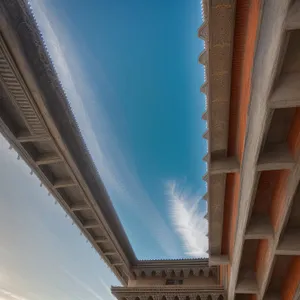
253,197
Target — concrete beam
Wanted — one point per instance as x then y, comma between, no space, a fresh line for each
101,239
218,260
290,243
117,264
259,228
25,137
224,165
48,158
91,224
62,183
284,246
79,206
279,159
106,253
246,286
293,17
267,57
287,92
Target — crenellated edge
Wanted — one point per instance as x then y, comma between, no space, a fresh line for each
217,51
203,31
203,58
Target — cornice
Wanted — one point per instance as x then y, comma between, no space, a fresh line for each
167,288
169,293
179,261
217,34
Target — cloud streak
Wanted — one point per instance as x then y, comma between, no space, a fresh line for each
118,175
86,287
187,220
7,295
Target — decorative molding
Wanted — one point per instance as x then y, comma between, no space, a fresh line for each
206,135
180,272
205,177
168,293
204,88
203,31
203,57
217,33
206,157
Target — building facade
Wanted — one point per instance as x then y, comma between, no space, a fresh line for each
252,90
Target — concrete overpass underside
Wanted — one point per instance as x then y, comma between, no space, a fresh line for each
252,88
253,114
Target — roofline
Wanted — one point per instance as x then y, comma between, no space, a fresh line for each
173,262
33,48
166,289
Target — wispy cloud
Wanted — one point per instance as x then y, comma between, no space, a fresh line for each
107,288
187,219
117,171
84,285
7,295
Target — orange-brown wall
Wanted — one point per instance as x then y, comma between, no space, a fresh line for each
294,136
245,34
292,280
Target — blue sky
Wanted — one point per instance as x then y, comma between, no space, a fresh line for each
130,72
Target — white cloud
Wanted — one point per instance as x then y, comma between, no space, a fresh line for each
117,172
188,220
10,296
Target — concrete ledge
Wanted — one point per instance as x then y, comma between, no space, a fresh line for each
215,260
247,286
259,228
62,183
287,92
290,243
293,17
224,165
277,159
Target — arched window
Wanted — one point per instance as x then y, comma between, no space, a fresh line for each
209,297
221,297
